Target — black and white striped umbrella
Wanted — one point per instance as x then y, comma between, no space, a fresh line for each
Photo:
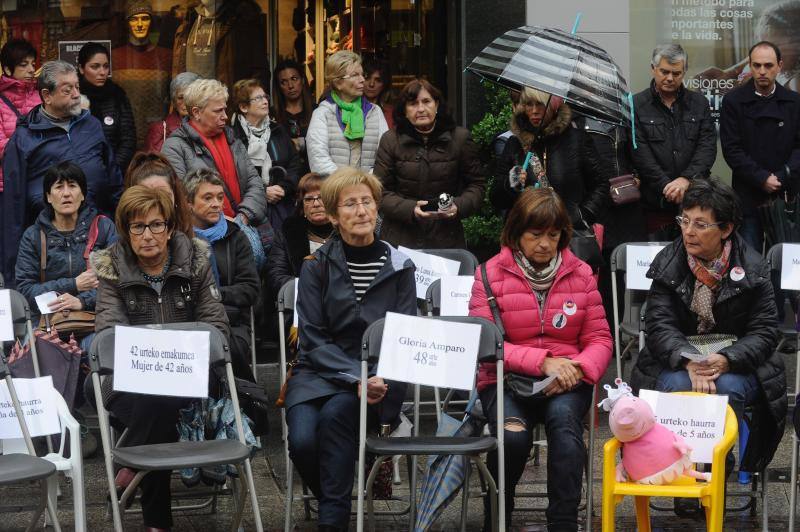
561,64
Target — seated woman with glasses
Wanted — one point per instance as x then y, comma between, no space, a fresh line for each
345,129
153,274
351,281
709,281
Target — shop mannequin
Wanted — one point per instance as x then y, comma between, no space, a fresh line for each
142,68
223,40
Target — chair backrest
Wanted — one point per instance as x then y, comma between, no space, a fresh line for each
433,297
490,346
101,353
468,263
633,299
2,281
775,257
20,314
286,296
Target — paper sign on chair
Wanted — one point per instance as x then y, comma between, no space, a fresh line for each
36,397
161,362
637,262
429,268
455,291
6,319
429,352
699,419
790,267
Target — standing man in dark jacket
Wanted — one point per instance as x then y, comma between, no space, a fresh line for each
760,134
232,261
675,137
55,131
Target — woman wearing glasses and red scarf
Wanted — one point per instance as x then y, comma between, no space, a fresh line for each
709,281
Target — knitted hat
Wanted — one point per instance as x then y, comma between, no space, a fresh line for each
138,7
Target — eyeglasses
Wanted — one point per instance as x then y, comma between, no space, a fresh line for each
68,89
259,98
310,200
156,227
285,82
355,75
353,205
685,223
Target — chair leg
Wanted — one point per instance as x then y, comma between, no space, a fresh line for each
609,507
241,497
43,503
287,523
590,466
764,502
493,491
465,494
642,505
251,484
370,503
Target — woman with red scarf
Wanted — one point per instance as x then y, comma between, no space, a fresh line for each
204,140
710,282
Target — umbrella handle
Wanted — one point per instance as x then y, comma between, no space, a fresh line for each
577,22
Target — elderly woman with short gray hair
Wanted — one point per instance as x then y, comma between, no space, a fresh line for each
158,132
204,140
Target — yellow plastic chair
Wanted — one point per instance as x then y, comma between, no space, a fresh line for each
711,494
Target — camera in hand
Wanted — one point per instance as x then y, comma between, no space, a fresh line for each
440,203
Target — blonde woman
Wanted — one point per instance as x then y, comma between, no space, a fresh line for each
345,129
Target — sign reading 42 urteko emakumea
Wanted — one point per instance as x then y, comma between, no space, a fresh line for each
161,362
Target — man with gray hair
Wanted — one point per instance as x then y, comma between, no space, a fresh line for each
676,140
57,130
159,131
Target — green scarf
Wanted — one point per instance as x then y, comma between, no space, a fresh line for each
352,117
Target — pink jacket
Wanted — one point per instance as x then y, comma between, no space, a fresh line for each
530,337
24,96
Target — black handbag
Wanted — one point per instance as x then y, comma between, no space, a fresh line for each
583,245
254,402
520,385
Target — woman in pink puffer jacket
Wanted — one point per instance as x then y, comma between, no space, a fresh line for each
555,326
18,87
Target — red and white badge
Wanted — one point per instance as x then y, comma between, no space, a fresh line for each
737,273
109,120
569,307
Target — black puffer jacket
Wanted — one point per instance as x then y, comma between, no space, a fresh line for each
110,105
288,251
414,168
745,308
238,276
332,322
570,161
671,143
189,292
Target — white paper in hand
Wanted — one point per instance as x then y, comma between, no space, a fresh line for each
161,362
38,401
637,261
455,291
429,352
790,267
43,301
694,357
6,319
429,268
539,386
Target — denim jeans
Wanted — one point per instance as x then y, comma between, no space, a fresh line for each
742,390
562,416
323,434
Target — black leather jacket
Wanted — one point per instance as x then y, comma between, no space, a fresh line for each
744,308
671,143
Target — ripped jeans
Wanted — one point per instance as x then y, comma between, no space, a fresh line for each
562,416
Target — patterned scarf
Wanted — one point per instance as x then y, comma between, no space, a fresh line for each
539,280
708,276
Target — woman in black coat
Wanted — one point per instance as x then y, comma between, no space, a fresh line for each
301,234
709,281
269,146
108,102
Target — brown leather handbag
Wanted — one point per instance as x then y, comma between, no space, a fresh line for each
624,189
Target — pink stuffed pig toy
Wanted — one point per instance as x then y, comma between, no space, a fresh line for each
651,453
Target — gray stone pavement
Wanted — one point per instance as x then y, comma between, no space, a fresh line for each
269,469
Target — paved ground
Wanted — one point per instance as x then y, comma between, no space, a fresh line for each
269,470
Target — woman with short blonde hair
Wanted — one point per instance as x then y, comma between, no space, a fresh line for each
200,92
345,129
351,281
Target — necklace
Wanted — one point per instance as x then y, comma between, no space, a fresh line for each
158,278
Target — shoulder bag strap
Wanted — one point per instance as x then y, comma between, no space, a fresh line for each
91,240
492,301
10,105
42,255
